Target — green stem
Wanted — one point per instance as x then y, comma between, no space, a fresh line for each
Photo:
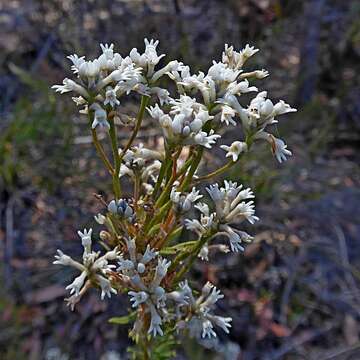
194,165
117,161
99,148
197,247
163,170
157,218
139,118
217,172
165,193
137,185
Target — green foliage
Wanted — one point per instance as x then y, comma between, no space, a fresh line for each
158,348
24,154
123,320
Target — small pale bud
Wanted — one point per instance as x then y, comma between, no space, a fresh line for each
140,268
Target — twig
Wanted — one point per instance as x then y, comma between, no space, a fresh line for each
345,256
9,240
300,340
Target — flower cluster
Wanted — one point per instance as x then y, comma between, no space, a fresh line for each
230,206
94,269
147,252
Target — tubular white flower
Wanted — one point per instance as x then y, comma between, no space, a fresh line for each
105,285
89,70
184,202
171,67
207,329
278,147
110,97
100,118
160,271
77,284
222,322
261,74
70,85
242,87
206,140
100,219
227,115
155,322
86,239
65,260
148,255
248,51
108,50
77,62
138,298
204,253
235,149
282,108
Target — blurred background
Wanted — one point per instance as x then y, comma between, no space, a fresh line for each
294,294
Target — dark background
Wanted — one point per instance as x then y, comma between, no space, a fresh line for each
294,294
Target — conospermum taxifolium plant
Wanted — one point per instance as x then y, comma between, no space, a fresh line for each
152,238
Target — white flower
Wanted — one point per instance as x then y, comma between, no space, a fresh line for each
100,118
282,108
261,74
236,237
77,62
77,284
207,329
201,321
229,207
108,50
173,67
79,101
222,322
148,255
89,69
125,265
162,94
105,286
235,149
155,111
86,239
110,97
240,88
183,202
204,253
149,58
248,51
266,108
244,209
179,297
122,208
138,298
160,271
206,140
100,219
221,74
65,260
70,85
227,115
212,296
155,322
279,149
